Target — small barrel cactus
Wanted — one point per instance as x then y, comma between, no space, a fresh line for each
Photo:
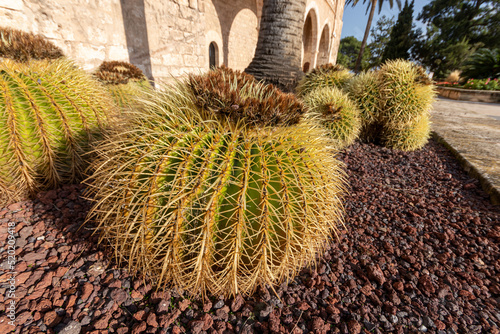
364,89
49,114
22,46
123,80
407,92
217,186
337,112
409,137
323,76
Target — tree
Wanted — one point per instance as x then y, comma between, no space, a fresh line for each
277,57
348,53
402,36
371,6
456,29
476,20
379,38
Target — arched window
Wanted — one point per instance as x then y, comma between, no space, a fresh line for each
213,55
305,68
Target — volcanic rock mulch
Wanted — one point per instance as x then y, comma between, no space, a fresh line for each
420,253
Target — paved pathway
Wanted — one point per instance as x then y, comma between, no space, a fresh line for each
472,131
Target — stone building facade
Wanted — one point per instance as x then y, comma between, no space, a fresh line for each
168,38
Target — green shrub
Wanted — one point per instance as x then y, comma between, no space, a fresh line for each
483,64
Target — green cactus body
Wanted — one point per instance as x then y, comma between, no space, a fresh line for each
364,89
49,112
410,137
407,93
323,76
337,112
212,205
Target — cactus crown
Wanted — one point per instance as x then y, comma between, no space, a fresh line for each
119,72
327,68
421,77
22,46
237,96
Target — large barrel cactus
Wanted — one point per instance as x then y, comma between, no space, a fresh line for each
49,114
123,80
323,76
337,112
22,46
215,185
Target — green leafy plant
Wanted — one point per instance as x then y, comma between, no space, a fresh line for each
22,46
337,112
323,76
216,185
50,112
483,64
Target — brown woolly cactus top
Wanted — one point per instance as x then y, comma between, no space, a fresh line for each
22,46
422,77
237,96
118,72
332,112
327,68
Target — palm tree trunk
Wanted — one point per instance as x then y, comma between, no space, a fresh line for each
277,56
365,38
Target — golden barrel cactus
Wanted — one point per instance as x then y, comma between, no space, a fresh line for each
364,89
407,92
323,76
216,186
22,46
123,80
336,112
50,112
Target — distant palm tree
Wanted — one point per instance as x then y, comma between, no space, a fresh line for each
373,4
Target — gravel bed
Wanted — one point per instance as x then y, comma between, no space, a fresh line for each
420,253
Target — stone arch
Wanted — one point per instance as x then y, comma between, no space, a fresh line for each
242,40
324,46
310,38
226,15
215,38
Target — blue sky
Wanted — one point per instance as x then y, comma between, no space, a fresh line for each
355,18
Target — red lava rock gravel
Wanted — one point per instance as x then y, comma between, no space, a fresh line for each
420,253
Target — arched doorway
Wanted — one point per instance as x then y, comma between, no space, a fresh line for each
309,39
324,47
242,39
213,55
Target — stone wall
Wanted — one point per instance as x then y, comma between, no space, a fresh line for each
164,38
